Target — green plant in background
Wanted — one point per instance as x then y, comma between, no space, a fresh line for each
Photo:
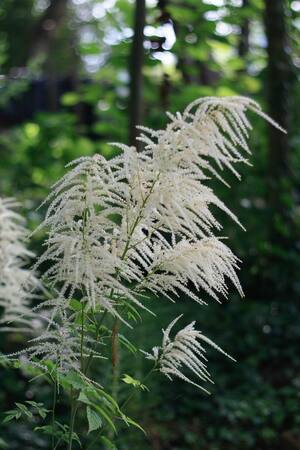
118,230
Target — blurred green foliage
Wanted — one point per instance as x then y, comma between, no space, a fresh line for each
255,403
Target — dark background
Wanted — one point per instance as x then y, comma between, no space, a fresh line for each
77,74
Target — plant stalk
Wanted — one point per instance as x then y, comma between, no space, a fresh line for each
74,408
53,413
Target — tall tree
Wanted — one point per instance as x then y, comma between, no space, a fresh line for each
43,42
279,75
17,19
245,31
136,75
47,26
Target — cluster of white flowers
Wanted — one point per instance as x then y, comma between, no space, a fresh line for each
142,221
185,349
61,344
17,284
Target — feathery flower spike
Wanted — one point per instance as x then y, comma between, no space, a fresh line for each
184,351
17,283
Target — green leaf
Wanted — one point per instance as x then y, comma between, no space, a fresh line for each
84,399
61,432
124,341
48,429
24,410
108,443
99,393
8,418
130,421
105,415
135,383
75,305
39,407
75,380
94,420
17,413
104,398
132,313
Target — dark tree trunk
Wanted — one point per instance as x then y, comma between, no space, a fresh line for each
47,27
243,49
136,75
279,258
165,88
279,76
43,42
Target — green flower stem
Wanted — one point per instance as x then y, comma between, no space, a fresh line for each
74,407
137,220
97,336
145,378
53,412
115,358
100,432
82,337
74,403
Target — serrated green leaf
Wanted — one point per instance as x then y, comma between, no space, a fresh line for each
124,341
94,420
83,398
110,401
105,415
130,380
75,380
8,418
130,421
75,305
62,433
134,382
24,410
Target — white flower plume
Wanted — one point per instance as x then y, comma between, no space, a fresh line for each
143,222
204,264
140,222
184,351
16,282
61,344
